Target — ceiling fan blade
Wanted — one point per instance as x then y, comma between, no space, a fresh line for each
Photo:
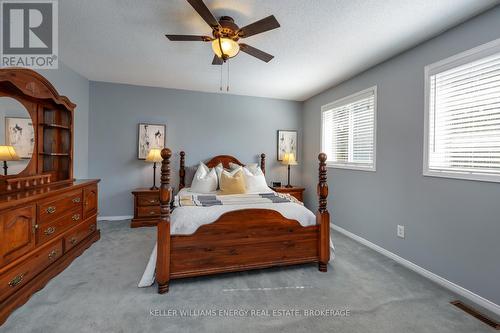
204,12
256,52
188,38
266,24
217,61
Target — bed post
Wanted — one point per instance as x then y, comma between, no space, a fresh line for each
322,216
182,171
263,163
163,241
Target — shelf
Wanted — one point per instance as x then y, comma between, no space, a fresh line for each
54,154
55,126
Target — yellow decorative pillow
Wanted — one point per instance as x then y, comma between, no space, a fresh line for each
232,182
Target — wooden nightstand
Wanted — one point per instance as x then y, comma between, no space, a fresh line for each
293,191
146,207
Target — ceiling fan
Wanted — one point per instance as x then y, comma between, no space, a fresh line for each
225,35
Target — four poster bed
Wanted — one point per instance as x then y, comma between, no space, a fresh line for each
241,239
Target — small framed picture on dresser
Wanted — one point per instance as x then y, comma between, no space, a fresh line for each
287,143
150,136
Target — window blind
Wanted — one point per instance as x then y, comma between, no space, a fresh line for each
464,118
348,131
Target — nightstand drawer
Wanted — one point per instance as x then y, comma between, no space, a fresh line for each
149,200
296,192
152,211
297,195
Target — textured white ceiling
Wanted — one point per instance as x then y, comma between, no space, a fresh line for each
320,42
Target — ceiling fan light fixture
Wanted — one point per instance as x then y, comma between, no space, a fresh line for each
225,47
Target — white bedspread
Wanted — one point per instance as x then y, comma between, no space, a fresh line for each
186,220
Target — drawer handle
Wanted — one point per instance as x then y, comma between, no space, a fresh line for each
73,241
76,200
52,254
49,231
152,201
75,217
51,210
92,227
152,212
15,281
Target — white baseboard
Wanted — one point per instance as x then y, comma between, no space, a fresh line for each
114,218
481,301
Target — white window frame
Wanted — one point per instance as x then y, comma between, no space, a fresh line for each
462,58
347,100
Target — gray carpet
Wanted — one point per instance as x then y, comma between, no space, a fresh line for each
98,293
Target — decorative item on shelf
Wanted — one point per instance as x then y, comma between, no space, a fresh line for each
7,153
289,159
154,156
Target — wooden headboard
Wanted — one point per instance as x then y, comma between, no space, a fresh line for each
213,162
224,159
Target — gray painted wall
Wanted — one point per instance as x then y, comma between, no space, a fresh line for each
76,88
452,226
202,124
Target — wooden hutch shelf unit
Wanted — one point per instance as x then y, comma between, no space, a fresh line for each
47,218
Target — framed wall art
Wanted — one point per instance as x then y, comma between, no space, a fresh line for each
287,143
150,136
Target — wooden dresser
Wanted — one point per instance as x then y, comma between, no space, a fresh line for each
41,232
47,218
146,207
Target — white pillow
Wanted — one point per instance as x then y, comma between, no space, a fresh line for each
255,180
218,169
232,172
205,180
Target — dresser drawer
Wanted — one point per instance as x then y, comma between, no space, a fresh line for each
14,278
79,233
151,211
49,230
149,200
59,206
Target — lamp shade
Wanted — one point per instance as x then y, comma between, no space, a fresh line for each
154,155
225,46
8,153
289,159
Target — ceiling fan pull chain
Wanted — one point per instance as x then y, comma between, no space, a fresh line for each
220,86
227,87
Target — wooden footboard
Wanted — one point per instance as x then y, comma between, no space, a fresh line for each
239,240
242,240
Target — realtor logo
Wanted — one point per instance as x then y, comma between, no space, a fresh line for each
29,34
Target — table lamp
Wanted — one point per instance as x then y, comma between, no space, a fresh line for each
289,159
154,156
7,153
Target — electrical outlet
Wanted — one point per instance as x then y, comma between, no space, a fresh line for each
401,231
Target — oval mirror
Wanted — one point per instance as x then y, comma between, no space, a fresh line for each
17,136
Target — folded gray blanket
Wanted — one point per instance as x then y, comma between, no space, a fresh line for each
208,200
